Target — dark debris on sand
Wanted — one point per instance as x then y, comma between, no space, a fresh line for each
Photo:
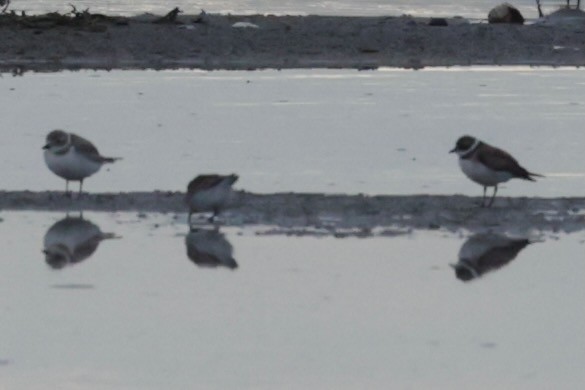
84,40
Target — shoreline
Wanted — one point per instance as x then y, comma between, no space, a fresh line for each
56,42
331,212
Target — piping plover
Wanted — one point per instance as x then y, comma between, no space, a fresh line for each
72,157
209,193
488,165
209,248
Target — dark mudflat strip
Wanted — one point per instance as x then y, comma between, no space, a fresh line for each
341,211
240,42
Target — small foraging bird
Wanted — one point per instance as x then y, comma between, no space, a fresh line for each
488,165
209,193
72,157
210,249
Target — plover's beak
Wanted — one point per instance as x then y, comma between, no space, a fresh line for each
453,150
46,147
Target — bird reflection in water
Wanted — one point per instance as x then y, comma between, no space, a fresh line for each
209,248
486,252
72,240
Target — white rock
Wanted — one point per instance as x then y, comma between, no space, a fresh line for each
244,25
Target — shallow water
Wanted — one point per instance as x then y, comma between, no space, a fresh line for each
334,131
307,312
469,8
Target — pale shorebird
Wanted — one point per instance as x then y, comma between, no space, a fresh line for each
209,193
72,157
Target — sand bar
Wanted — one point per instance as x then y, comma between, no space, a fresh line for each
209,41
331,212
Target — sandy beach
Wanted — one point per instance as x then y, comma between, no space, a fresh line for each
55,42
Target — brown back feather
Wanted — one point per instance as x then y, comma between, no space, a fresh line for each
499,160
85,146
204,182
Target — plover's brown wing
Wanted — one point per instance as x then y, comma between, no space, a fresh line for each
204,182
499,160
89,150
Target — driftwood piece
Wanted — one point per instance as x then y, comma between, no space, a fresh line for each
170,17
84,20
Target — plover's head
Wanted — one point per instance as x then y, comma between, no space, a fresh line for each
57,140
465,145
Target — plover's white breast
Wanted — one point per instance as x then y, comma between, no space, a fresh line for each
481,174
71,165
210,198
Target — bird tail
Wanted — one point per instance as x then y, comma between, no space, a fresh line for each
233,178
531,176
111,159
110,236
231,263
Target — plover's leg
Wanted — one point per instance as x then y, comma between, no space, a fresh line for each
493,196
195,218
67,193
484,196
80,186
213,217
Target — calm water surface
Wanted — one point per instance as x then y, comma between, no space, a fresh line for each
335,131
136,312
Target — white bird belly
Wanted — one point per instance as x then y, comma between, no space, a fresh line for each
71,165
481,174
207,200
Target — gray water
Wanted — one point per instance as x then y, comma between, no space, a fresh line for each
310,313
333,131
477,9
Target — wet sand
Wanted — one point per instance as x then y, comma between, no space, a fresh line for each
255,42
296,213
